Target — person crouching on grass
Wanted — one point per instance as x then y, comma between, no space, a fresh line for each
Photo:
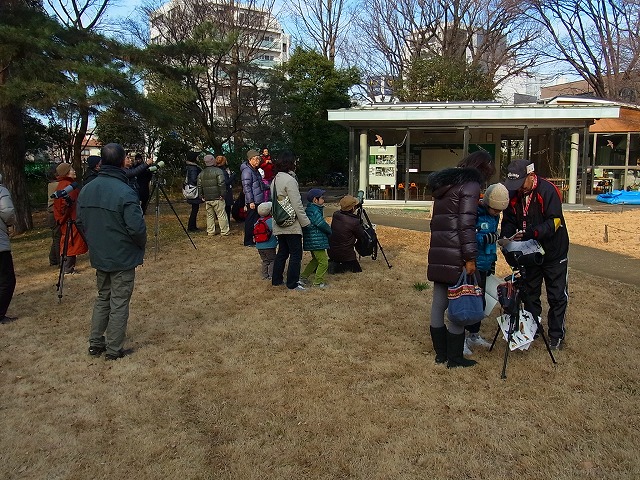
346,231
315,238
266,242
495,200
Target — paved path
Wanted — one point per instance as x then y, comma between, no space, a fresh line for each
601,263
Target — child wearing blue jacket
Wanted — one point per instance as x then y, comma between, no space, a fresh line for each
495,200
315,238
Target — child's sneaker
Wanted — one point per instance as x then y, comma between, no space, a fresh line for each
320,285
475,340
467,351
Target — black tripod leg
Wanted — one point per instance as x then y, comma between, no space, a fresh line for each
63,260
166,197
546,342
513,324
495,337
363,212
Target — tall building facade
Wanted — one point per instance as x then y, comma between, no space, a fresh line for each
255,39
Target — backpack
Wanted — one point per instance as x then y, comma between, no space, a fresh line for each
237,209
368,245
261,231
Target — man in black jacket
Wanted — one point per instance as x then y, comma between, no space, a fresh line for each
535,212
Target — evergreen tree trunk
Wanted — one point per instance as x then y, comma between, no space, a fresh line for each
12,153
78,141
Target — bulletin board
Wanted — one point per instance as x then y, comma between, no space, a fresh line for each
383,165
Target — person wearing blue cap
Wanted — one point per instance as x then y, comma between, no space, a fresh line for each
315,238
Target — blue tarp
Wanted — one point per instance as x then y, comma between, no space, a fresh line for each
620,197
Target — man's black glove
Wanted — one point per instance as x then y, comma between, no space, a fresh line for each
490,238
492,270
528,234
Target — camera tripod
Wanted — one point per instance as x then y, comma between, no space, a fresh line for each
65,248
157,188
362,215
513,308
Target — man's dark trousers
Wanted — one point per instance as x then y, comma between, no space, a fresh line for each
555,280
7,281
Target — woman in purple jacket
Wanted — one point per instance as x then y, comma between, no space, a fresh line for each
456,192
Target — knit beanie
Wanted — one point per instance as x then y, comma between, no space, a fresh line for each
496,197
264,209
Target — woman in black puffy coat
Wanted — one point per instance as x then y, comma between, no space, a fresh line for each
456,192
193,170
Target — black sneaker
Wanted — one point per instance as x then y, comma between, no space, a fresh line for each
118,355
556,343
96,351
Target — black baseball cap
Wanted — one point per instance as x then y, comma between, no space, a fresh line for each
517,171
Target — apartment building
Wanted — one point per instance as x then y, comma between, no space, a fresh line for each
261,43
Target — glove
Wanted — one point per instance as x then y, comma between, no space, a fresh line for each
528,234
490,238
492,270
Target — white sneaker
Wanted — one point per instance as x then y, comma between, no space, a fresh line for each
475,340
467,351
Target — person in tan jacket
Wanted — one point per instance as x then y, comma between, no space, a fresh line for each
289,238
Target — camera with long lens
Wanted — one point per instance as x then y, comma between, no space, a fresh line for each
64,193
522,254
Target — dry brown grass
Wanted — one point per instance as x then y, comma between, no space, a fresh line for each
234,379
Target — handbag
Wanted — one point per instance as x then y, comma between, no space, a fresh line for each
465,301
282,210
189,192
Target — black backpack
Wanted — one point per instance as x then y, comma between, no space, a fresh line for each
368,245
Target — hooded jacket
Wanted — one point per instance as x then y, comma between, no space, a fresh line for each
110,215
211,184
64,210
285,185
7,217
346,231
252,185
191,177
456,192
316,235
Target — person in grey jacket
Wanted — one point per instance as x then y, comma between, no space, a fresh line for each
211,188
7,273
110,215
285,184
453,246
253,189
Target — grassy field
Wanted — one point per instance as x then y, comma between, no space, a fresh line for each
231,378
